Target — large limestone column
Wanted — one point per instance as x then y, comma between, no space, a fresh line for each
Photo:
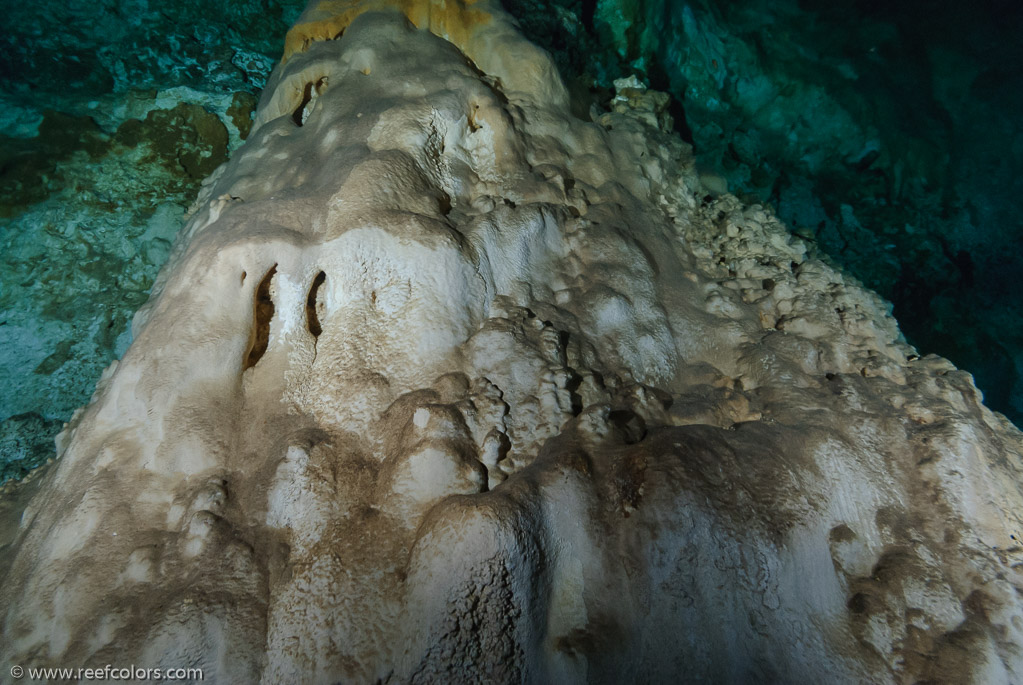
444,384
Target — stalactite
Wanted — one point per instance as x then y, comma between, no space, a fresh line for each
503,395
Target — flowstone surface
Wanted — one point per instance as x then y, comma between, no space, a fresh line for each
444,383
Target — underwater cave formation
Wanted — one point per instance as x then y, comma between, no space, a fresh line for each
455,359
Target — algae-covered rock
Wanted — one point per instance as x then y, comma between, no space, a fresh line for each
111,114
243,106
29,167
90,219
26,442
186,138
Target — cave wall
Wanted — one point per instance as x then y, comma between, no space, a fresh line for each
111,116
885,134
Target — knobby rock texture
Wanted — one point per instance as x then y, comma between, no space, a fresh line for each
443,383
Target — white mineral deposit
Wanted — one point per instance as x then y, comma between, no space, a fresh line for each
443,384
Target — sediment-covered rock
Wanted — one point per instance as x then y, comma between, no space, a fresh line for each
444,384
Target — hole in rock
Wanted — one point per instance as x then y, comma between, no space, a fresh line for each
563,342
859,603
299,115
662,396
311,91
244,274
264,312
630,424
311,314
574,382
444,204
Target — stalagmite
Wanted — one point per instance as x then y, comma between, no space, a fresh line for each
445,384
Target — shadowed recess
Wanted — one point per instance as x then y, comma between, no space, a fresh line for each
311,305
264,311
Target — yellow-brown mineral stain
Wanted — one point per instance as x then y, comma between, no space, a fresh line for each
454,21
